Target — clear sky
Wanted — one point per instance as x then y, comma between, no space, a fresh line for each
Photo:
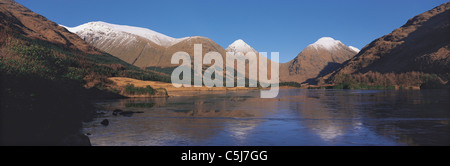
285,26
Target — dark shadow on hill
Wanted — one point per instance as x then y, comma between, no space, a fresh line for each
329,68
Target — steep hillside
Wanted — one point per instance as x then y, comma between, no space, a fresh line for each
421,45
48,77
31,25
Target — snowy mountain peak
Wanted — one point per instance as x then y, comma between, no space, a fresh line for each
326,43
106,28
240,46
239,42
354,49
90,26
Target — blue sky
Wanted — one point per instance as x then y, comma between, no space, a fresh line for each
284,26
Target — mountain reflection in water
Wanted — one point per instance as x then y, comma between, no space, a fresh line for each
295,117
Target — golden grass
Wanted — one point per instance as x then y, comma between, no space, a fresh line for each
171,90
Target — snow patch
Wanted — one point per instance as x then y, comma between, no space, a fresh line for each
240,46
104,28
354,49
327,43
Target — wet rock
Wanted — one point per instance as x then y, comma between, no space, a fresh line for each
116,112
127,113
105,122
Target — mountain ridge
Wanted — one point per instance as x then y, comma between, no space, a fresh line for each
133,44
420,45
35,26
156,37
145,53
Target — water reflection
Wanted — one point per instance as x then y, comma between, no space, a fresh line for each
296,117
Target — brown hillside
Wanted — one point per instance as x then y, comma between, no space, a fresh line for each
187,45
21,20
422,45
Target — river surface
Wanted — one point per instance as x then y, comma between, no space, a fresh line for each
295,117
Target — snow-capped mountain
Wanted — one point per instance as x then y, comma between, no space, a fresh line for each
99,29
331,44
327,43
146,48
139,46
323,56
240,46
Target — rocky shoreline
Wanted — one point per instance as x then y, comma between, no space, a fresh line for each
43,112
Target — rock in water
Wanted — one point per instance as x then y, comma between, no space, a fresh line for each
127,113
116,112
105,122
